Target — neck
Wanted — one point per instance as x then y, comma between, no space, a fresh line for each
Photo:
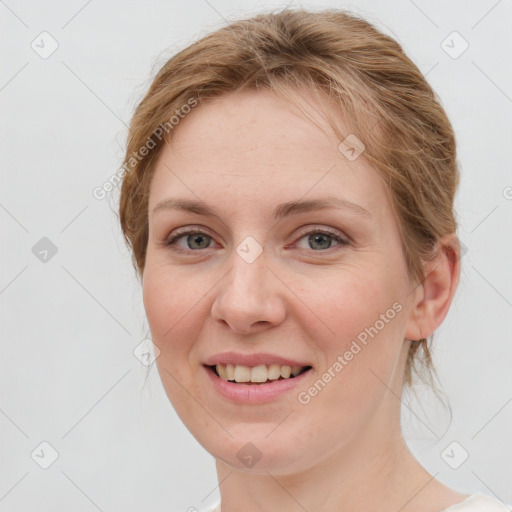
374,472
377,485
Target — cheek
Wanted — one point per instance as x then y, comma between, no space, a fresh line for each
353,382
171,303
363,343
172,306
353,299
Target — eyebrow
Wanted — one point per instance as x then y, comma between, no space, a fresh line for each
281,211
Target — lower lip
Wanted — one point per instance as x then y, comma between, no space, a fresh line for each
254,393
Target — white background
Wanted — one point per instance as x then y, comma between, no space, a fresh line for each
69,325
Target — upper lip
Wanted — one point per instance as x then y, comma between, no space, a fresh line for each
251,359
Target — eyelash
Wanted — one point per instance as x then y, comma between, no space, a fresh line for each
196,231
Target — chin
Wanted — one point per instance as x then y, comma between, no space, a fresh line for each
256,454
264,461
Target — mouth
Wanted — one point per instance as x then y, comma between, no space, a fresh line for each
256,375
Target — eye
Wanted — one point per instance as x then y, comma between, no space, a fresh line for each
193,238
318,240
321,239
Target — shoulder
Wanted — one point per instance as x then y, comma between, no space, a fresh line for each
479,502
475,503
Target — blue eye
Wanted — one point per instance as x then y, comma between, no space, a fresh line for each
323,238
197,239
194,236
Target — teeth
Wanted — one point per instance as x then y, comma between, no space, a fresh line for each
296,370
286,371
221,370
242,373
274,372
260,373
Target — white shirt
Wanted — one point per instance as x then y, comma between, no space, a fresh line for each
477,502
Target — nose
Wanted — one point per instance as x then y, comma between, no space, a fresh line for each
249,297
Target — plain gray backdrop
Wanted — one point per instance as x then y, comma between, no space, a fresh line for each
81,430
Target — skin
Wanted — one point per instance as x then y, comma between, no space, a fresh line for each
343,451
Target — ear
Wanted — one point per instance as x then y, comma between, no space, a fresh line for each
433,296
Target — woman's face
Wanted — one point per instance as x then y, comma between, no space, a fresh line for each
320,287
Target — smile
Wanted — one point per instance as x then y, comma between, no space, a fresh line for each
259,374
248,392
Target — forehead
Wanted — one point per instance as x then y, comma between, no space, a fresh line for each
255,146
252,121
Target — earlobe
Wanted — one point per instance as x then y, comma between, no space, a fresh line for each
433,296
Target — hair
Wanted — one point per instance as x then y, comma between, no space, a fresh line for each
345,61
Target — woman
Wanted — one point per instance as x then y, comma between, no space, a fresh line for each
288,197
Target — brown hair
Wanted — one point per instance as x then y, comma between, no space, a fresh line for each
348,63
